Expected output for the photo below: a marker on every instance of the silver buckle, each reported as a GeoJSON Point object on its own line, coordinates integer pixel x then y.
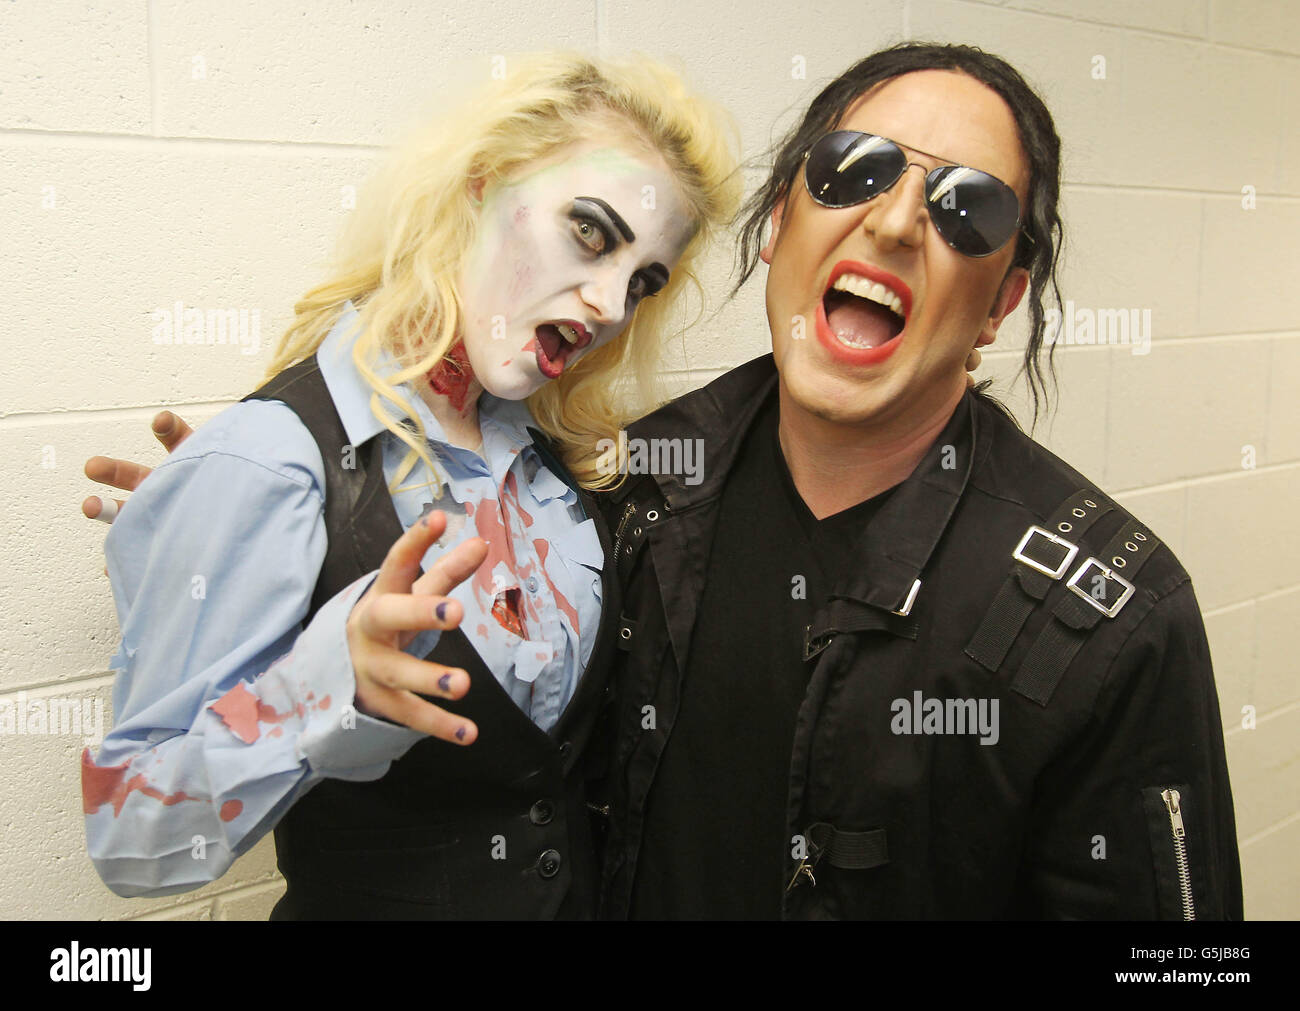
{"type": "Point", "coordinates": [1113, 610]}
{"type": "Point", "coordinates": [1020, 556]}
{"type": "Point", "coordinates": [906, 609]}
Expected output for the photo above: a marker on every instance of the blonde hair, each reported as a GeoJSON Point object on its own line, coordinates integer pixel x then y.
{"type": "Point", "coordinates": [405, 245]}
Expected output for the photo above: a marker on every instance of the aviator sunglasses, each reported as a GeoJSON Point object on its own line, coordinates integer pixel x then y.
{"type": "Point", "coordinates": [974, 212]}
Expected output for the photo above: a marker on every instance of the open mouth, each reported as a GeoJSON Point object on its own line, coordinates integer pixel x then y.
{"type": "Point", "coordinates": [863, 314]}
{"type": "Point", "coordinates": [558, 342]}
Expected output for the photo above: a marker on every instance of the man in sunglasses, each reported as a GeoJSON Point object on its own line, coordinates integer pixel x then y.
{"type": "Point", "coordinates": [890, 658]}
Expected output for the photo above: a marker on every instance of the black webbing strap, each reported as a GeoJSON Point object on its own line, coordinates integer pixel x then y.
{"type": "Point", "coordinates": [844, 615]}
{"type": "Point", "coordinates": [1041, 558]}
{"type": "Point", "coordinates": [1099, 588]}
{"type": "Point", "coordinates": [847, 851]}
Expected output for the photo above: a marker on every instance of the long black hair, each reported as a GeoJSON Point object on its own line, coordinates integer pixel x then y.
{"type": "Point", "coordinates": [1038, 245]}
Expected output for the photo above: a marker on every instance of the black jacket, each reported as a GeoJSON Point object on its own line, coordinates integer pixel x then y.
{"type": "Point", "coordinates": [496, 830]}
{"type": "Point", "coordinates": [1105, 793]}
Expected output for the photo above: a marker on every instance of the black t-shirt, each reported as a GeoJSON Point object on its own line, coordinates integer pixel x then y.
{"type": "Point", "coordinates": [714, 841]}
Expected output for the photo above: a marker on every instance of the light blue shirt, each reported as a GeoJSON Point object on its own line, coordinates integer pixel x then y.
{"type": "Point", "coordinates": [227, 709]}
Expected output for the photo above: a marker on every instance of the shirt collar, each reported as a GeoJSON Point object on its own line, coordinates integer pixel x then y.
{"type": "Point", "coordinates": [351, 393]}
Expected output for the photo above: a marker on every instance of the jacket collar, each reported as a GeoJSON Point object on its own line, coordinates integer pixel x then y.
{"type": "Point", "coordinates": [898, 543]}
{"type": "Point", "coordinates": [719, 415]}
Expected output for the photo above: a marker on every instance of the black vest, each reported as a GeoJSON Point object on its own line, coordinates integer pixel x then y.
{"type": "Point", "coordinates": [496, 830]}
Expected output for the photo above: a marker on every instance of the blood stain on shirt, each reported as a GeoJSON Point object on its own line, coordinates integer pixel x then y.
{"type": "Point", "coordinates": [561, 600]}
{"type": "Point", "coordinates": [231, 810]}
{"type": "Point", "coordinates": [241, 711]}
{"type": "Point", "coordinates": [108, 784]}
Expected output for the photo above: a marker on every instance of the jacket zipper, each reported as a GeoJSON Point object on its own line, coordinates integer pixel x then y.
{"type": "Point", "coordinates": [629, 511]}
{"type": "Point", "coordinates": [1172, 801]}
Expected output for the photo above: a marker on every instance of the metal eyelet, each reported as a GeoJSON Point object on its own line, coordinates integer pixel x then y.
{"type": "Point", "coordinates": [1118, 562]}
{"type": "Point", "coordinates": [1090, 503]}
{"type": "Point", "coordinates": [1130, 546]}
{"type": "Point", "coordinates": [636, 532]}
{"type": "Point", "coordinates": [1064, 527]}
{"type": "Point", "coordinates": [652, 515]}
{"type": "Point", "coordinates": [1139, 537]}
{"type": "Point", "coordinates": [1079, 512]}
{"type": "Point", "coordinates": [625, 633]}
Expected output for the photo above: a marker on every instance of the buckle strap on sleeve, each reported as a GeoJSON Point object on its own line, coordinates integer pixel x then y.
{"type": "Point", "coordinates": [1097, 590]}
{"type": "Point", "coordinates": [1040, 559]}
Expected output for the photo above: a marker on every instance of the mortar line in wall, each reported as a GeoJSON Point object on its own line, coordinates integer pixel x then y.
{"type": "Point", "coordinates": [1283, 710]}
{"type": "Point", "coordinates": [80, 680]}
{"type": "Point", "coordinates": [162, 914]}
{"type": "Point", "coordinates": [155, 70]}
{"type": "Point", "coordinates": [1277, 593]}
{"type": "Point", "coordinates": [240, 891]}
{"type": "Point", "coordinates": [1140, 190]}
{"type": "Point", "coordinates": [1202, 40]}
{"type": "Point", "coordinates": [1200, 264]}
{"type": "Point", "coordinates": [18, 137]}
{"type": "Point", "coordinates": [1187, 482]}
{"type": "Point", "coordinates": [1250, 601]}
{"type": "Point", "coordinates": [1268, 397]}
{"type": "Point", "coordinates": [31, 419]}
{"type": "Point", "coordinates": [1289, 820]}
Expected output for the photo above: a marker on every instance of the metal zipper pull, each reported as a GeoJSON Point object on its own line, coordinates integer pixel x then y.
{"type": "Point", "coordinates": [1173, 803]}
{"type": "Point", "coordinates": [628, 512]}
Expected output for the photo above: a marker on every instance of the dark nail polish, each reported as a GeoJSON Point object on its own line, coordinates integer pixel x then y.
{"type": "Point", "coordinates": [444, 683]}
{"type": "Point", "coordinates": [441, 611]}
{"type": "Point", "coordinates": [460, 734]}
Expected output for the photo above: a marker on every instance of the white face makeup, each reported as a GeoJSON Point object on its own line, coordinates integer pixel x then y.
{"type": "Point", "coordinates": [563, 255]}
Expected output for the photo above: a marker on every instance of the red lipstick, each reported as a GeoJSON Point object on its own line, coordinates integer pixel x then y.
{"type": "Point", "coordinates": [862, 356]}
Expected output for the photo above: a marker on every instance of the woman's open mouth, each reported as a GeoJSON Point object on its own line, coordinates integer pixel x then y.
{"type": "Point", "coordinates": [557, 342]}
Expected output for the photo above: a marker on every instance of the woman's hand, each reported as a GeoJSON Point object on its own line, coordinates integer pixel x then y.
{"type": "Point", "coordinates": [395, 608]}
{"type": "Point", "coordinates": [168, 428]}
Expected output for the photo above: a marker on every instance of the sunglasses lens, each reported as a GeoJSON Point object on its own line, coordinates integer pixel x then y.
{"type": "Point", "coordinates": [974, 212]}
{"type": "Point", "coordinates": [846, 168]}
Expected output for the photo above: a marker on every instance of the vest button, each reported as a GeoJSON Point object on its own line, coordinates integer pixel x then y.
{"type": "Point", "coordinates": [548, 864]}
{"type": "Point", "coordinates": [542, 812]}
{"type": "Point", "coordinates": [566, 749]}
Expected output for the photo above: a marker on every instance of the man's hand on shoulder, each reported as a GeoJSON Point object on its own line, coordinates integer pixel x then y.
{"type": "Point", "coordinates": [169, 429]}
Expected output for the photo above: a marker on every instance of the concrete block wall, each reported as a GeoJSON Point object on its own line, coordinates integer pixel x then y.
{"type": "Point", "coordinates": [204, 151]}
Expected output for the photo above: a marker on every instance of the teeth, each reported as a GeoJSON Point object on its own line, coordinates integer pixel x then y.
{"type": "Point", "coordinates": [567, 332]}
{"type": "Point", "coordinates": [873, 291]}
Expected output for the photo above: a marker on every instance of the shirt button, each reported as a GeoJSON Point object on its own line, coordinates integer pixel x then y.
{"type": "Point", "coordinates": [542, 812]}
{"type": "Point", "coordinates": [548, 864]}
{"type": "Point", "coordinates": [532, 584]}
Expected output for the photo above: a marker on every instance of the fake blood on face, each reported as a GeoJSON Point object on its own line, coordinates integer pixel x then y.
{"type": "Point", "coordinates": [453, 376]}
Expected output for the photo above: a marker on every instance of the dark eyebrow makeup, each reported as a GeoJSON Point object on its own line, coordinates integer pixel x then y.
{"type": "Point", "coordinates": [612, 217]}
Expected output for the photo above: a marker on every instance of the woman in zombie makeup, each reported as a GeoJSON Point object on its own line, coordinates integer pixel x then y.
{"type": "Point", "coordinates": [417, 741]}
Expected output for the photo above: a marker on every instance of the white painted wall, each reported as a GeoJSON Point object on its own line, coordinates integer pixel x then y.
{"type": "Point", "coordinates": [197, 151]}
